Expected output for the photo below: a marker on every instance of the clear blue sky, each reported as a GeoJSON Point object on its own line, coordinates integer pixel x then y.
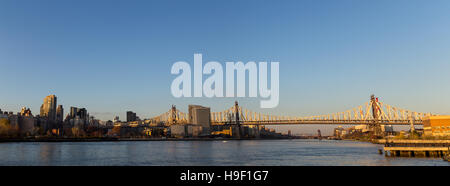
{"type": "Point", "coordinates": [111, 56]}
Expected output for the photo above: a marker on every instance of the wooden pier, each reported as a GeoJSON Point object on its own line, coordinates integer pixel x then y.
{"type": "Point", "coordinates": [416, 148]}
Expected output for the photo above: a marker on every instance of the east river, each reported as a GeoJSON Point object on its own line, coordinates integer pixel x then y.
{"type": "Point", "coordinates": [223, 153]}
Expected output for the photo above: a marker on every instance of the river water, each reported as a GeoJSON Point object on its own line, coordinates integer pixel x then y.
{"type": "Point", "coordinates": [222, 153]}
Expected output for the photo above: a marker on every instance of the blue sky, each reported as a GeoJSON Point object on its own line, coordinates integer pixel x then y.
{"type": "Point", "coordinates": [111, 56]}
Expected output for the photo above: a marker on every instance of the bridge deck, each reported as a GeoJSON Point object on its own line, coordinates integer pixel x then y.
{"type": "Point", "coordinates": [318, 122]}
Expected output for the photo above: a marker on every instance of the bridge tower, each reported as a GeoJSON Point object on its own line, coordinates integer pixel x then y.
{"type": "Point", "coordinates": [411, 122]}
{"type": "Point", "coordinates": [238, 124]}
{"type": "Point", "coordinates": [375, 126]}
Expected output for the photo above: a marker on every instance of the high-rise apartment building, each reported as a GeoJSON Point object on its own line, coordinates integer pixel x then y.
{"type": "Point", "coordinates": [80, 112]}
{"type": "Point", "coordinates": [48, 108]}
{"type": "Point", "coordinates": [131, 116]}
{"type": "Point", "coordinates": [199, 115]}
{"type": "Point", "coordinates": [59, 113]}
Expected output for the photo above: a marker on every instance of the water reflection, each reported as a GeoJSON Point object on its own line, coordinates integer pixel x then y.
{"type": "Point", "coordinates": [225, 153]}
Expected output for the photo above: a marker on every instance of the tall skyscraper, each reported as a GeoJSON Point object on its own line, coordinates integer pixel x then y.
{"type": "Point", "coordinates": [73, 112]}
{"type": "Point", "coordinates": [199, 115]}
{"type": "Point", "coordinates": [59, 113]}
{"type": "Point", "coordinates": [48, 108]}
{"type": "Point", "coordinates": [80, 112]}
{"type": "Point", "coordinates": [131, 116]}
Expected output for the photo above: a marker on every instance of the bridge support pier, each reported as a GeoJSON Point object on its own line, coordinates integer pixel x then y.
{"type": "Point", "coordinates": [411, 122]}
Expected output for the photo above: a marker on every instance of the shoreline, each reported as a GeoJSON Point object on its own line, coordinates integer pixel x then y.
{"type": "Point", "coordinates": [112, 139]}
{"type": "Point", "coordinates": [18, 140]}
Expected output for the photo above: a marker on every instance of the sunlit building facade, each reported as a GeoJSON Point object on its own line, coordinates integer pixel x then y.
{"type": "Point", "coordinates": [436, 125]}
{"type": "Point", "coordinates": [48, 108]}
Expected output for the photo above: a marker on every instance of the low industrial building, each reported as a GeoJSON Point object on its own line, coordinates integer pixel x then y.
{"type": "Point", "coordinates": [188, 130]}
{"type": "Point", "coordinates": [436, 126]}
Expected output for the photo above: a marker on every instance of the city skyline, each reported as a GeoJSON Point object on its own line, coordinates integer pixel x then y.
{"type": "Point", "coordinates": [54, 112]}
{"type": "Point", "coordinates": [332, 56]}
{"type": "Point", "coordinates": [230, 91]}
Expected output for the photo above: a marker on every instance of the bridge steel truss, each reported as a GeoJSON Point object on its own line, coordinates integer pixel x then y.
{"type": "Point", "coordinates": [364, 114]}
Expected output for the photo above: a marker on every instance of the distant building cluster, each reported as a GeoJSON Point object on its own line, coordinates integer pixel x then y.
{"type": "Point", "coordinates": [360, 130]}
{"type": "Point", "coordinates": [78, 123]}
{"type": "Point", "coordinates": [50, 121]}
{"type": "Point", "coordinates": [21, 123]}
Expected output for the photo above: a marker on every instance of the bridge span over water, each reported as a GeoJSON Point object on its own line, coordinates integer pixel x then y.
{"type": "Point", "coordinates": [372, 112]}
